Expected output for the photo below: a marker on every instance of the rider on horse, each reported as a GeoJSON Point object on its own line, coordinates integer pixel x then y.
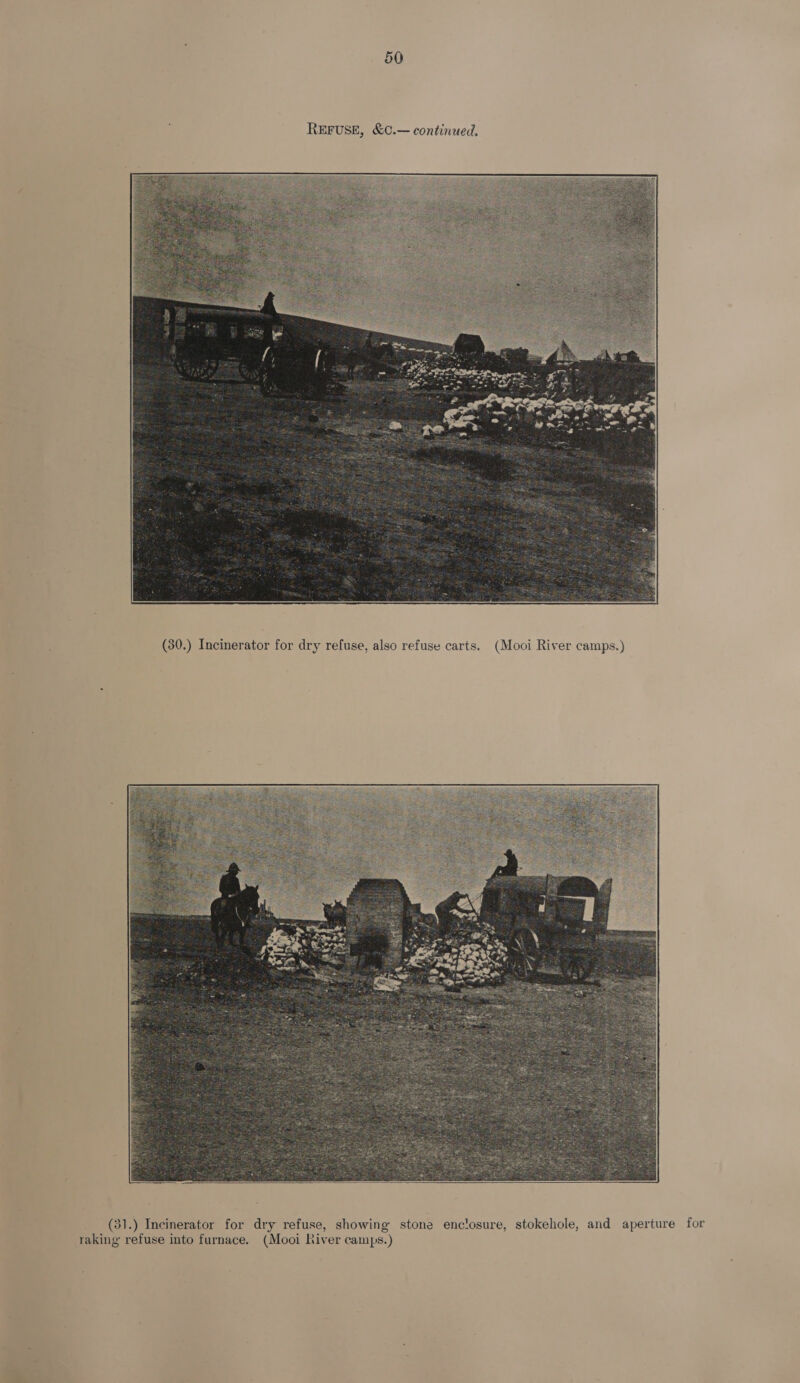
{"type": "Point", "coordinates": [229, 885]}
{"type": "Point", "coordinates": [233, 911]}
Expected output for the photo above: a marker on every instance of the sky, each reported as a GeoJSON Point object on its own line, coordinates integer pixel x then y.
{"type": "Point", "coordinates": [306, 845]}
{"type": "Point", "coordinates": [522, 260]}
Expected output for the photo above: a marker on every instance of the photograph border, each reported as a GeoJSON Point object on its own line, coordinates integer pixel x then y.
{"type": "Point", "coordinates": [385, 605]}
{"type": "Point", "coordinates": [617, 1181]}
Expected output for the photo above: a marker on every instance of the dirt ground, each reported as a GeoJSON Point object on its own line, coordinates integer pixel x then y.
{"type": "Point", "coordinates": [241, 498]}
{"type": "Point", "coordinates": [238, 1078]}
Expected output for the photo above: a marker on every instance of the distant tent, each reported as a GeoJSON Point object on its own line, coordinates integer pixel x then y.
{"type": "Point", "coordinates": [562, 356]}
{"type": "Point", "coordinates": [627, 357]}
{"type": "Point", "coordinates": [604, 355]}
{"type": "Point", "coordinates": [467, 344]}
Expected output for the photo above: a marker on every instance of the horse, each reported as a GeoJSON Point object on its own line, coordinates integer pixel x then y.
{"type": "Point", "coordinates": [230, 917]}
{"type": "Point", "coordinates": [335, 913]}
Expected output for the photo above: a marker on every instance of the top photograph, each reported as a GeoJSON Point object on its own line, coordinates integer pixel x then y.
{"type": "Point", "coordinates": [393, 388]}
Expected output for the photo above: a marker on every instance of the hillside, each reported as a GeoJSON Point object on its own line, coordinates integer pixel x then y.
{"type": "Point", "coordinates": [147, 328]}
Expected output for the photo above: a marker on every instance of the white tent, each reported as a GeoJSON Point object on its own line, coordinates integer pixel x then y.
{"type": "Point", "coordinates": [562, 356]}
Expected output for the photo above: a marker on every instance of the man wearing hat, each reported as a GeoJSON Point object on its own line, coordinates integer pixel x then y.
{"type": "Point", "coordinates": [509, 869]}
{"type": "Point", "coordinates": [229, 884]}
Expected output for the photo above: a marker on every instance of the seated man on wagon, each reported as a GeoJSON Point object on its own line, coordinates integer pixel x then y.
{"type": "Point", "coordinates": [508, 870]}
{"type": "Point", "coordinates": [268, 307]}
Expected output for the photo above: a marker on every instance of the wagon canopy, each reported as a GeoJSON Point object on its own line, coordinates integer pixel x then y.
{"type": "Point", "coordinates": [225, 313]}
{"type": "Point", "coordinates": [519, 883]}
{"type": "Point", "coordinates": [576, 887]}
{"type": "Point", "coordinates": [555, 897]}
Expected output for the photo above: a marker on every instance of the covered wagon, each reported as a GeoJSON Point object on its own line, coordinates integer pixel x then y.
{"type": "Point", "coordinates": [548, 916]}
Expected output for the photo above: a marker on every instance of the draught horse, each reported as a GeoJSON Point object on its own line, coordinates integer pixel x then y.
{"type": "Point", "coordinates": [231, 917]}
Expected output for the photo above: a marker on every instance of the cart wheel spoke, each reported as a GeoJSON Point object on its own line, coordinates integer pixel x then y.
{"type": "Point", "coordinates": [524, 954]}
{"type": "Point", "coordinates": [250, 370]}
{"type": "Point", "coordinates": [194, 366]}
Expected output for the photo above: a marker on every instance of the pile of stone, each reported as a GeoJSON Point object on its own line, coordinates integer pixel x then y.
{"type": "Point", "coordinates": [287, 950]}
{"type": "Point", "coordinates": [328, 944]}
{"type": "Point", "coordinates": [424, 931]}
{"type": "Point", "coordinates": [548, 418]}
{"type": "Point", "coordinates": [474, 957]}
{"type": "Point", "coordinates": [290, 947]}
{"type": "Point", "coordinates": [462, 378]}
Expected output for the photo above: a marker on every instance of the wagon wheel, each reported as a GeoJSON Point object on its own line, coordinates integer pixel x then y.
{"type": "Point", "coordinates": [524, 954]}
{"type": "Point", "coordinates": [191, 366]}
{"type": "Point", "coordinates": [250, 369]}
{"type": "Point", "coordinates": [322, 370]}
{"type": "Point", "coordinates": [268, 372]}
{"type": "Point", "coordinates": [576, 965]}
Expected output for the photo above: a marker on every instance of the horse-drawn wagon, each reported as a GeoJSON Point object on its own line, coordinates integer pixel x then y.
{"type": "Point", "coordinates": [548, 916]}
{"type": "Point", "coordinates": [201, 338]}
{"type": "Point", "coordinates": [267, 352]}
{"type": "Point", "coordinates": [292, 364]}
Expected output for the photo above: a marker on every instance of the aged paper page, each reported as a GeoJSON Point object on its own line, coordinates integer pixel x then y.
{"type": "Point", "coordinates": [137, 770]}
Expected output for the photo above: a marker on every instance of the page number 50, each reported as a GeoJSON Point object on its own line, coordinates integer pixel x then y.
{"type": "Point", "coordinates": [394, 57]}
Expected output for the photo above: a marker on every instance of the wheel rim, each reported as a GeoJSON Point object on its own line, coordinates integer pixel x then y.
{"type": "Point", "coordinates": [192, 367]}
{"type": "Point", "coordinates": [524, 955]}
{"type": "Point", "coordinates": [267, 372]}
{"type": "Point", "coordinates": [321, 370]}
{"type": "Point", "coordinates": [250, 370]}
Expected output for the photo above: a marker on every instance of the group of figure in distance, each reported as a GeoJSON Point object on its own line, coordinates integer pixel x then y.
{"type": "Point", "coordinates": [235, 908]}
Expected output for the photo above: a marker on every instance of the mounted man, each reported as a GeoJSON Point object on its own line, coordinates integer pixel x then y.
{"type": "Point", "coordinates": [233, 911]}
{"type": "Point", "coordinates": [229, 887]}
{"type": "Point", "coordinates": [229, 884]}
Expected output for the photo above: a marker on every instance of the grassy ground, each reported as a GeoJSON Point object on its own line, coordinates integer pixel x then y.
{"type": "Point", "coordinates": [238, 498]}
{"type": "Point", "coordinates": [234, 1078]}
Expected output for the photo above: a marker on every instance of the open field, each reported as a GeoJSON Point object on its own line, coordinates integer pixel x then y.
{"type": "Point", "coordinates": [240, 498]}
{"type": "Point", "coordinates": [236, 1078]}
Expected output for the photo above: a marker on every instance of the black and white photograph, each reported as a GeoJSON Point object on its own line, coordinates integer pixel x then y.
{"type": "Point", "coordinates": [409, 388]}
{"type": "Point", "coordinates": [393, 983]}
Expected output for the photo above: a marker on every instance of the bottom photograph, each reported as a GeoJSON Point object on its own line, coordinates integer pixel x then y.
{"type": "Point", "coordinates": [393, 983]}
